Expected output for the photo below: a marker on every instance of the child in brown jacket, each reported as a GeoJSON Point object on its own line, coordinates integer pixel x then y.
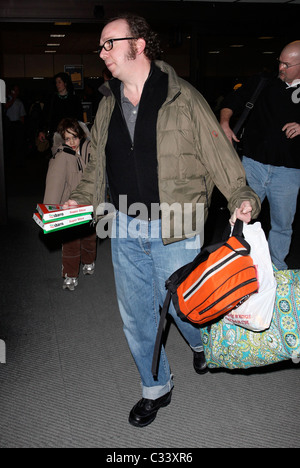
{"type": "Point", "coordinates": [64, 174]}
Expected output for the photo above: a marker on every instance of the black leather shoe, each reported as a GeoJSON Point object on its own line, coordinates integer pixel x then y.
{"type": "Point", "coordinates": [144, 412]}
{"type": "Point", "coordinates": [199, 362]}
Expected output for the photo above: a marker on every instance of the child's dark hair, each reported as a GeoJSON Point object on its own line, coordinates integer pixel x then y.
{"type": "Point", "coordinates": [72, 126]}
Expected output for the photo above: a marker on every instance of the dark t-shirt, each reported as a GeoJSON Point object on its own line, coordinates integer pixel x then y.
{"type": "Point", "coordinates": [263, 139]}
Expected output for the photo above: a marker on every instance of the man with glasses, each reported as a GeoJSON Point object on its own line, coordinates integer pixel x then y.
{"type": "Point", "coordinates": [160, 144]}
{"type": "Point", "coordinates": [271, 146]}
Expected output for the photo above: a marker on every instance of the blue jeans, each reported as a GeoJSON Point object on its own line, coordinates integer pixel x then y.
{"type": "Point", "coordinates": [281, 186]}
{"type": "Point", "coordinates": [142, 264]}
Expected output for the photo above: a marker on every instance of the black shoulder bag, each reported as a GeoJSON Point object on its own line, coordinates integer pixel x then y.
{"type": "Point", "coordinates": [239, 126]}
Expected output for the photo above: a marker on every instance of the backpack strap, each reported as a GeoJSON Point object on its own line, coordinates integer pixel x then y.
{"type": "Point", "coordinates": [157, 347]}
{"type": "Point", "coordinates": [238, 228]}
{"type": "Point", "coordinates": [238, 232]}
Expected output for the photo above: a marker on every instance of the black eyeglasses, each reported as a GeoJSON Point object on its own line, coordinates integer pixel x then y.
{"type": "Point", "coordinates": [287, 65]}
{"type": "Point", "coordinates": [108, 45]}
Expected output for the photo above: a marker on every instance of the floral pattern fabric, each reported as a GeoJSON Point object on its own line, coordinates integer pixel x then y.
{"type": "Point", "coordinates": [234, 347]}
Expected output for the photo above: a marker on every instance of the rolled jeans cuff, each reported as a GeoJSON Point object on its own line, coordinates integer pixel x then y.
{"type": "Point", "coordinates": [152, 393]}
{"type": "Point", "coordinates": [198, 349]}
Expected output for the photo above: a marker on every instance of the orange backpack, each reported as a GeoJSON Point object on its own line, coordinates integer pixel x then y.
{"type": "Point", "coordinates": [219, 279]}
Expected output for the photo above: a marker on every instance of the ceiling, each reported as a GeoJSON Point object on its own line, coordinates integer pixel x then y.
{"type": "Point", "coordinates": [26, 26]}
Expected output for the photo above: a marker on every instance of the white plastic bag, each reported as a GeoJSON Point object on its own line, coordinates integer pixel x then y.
{"type": "Point", "coordinates": [256, 313]}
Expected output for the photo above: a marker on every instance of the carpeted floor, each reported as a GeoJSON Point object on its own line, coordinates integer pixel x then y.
{"type": "Point", "coordinates": [69, 380]}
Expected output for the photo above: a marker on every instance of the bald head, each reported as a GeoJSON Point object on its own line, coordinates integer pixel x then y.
{"type": "Point", "coordinates": [289, 62]}
{"type": "Point", "coordinates": [292, 49]}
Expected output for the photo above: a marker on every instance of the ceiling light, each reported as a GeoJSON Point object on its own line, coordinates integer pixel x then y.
{"type": "Point", "coordinates": [62, 23]}
{"type": "Point", "coordinates": [268, 52]}
{"type": "Point", "coordinates": [50, 51]}
{"type": "Point", "coordinates": [213, 51]}
{"type": "Point", "coordinates": [53, 45]}
{"type": "Point", "coordinates": [57, 35]}
{"type": "Point", "coordinates": [237, 45]}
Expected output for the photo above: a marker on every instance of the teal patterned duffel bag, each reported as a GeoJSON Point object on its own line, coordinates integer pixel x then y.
{"type": "Point", "coordinates": [233, 347]}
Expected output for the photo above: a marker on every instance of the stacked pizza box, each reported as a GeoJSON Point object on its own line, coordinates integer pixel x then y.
{"type": "Point", "coordinates": [54, 218]}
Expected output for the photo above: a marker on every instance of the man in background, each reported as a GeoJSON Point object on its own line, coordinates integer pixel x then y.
{"type": "Point", "coordinates": [271, 146]}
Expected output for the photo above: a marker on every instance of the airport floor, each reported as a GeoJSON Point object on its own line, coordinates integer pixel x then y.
{"type": "Point", "coordinates": [69, 380]}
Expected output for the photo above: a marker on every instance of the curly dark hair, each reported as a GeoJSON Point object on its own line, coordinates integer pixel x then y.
{"type": "Point", "coordinates": [139, 28]}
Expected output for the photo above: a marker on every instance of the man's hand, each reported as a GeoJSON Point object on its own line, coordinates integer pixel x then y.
{"type": "Point", "coordinates": [291, 129]}
{"type": "Point", "coordinates": [243, 213]}
{"type": "Point", "coordinates": [229, 133]}
{"type": "Point", "coordinates": [69, 204]}
{"type": "Point", "coordinates": [225, 116]}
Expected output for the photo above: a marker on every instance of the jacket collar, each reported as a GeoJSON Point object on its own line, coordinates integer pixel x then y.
{"type": "Point", "coordinates": [174, 87]}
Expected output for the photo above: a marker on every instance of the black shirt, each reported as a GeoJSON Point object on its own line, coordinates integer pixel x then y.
{"type": "Point", "coordinates": [264, 140]}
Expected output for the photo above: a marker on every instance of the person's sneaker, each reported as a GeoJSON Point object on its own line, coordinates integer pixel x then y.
{"type": "Point", "coordinates": [199, 362]}
{"type": "Point", "coordinates": [145, 411]}
{"type": "Point", "coordinates": [70, 283]}
{"type": "Point", "coordinates": [88, 269]}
